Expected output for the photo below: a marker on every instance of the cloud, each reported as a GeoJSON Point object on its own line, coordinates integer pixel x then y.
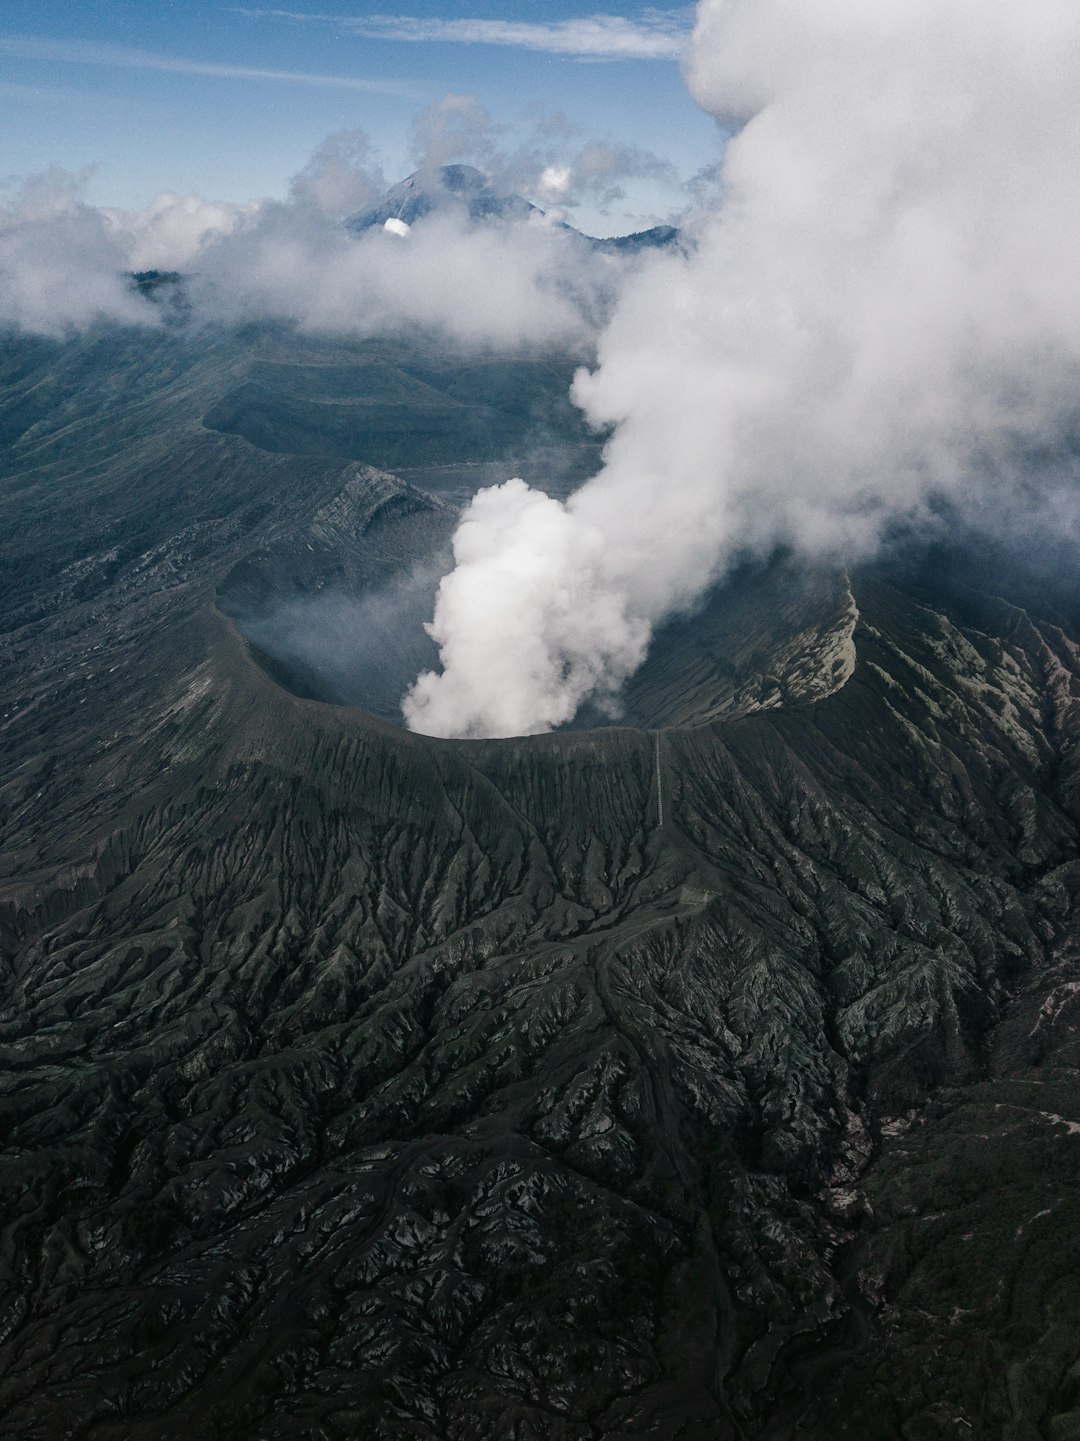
{"type": "Point", "coordinates": [476, 285]}
{"type": "Point", "coordinates": [555, 166]}
{"type": "Point", "coordinates": [62, 267]}
{"type": "Point", "coordinates": [599, 169]}
{"type": "Point", "coordinates": [67, 265]}
{"type": "Point", "coordinates": [455, 128]}
{"type": "Point", "coordinates": [657, 35]}
{"type": "Point", "coordinates": [878, 324]}
{"type": "Point", "coordinates": [341, 176]}
{"type": "Point", "coordinates": [174, 229]}
{"type": "Point", "coordinates": [82, 52]}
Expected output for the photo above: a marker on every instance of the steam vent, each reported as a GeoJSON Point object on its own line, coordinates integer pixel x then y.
{"type": "Point", "coordinates": [336, 614]}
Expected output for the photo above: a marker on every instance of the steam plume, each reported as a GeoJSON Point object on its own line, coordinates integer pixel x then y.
{"type": "Point", "coordinates": [882, 315]}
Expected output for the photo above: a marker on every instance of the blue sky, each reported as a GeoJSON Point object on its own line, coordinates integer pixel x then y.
{"type": "Point", "coordinates": [230, 100]}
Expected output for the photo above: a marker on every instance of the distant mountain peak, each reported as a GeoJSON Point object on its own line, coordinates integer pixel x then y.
{"type": "Point", "coordinates": [443, 189]}
{"type": "Point", "coordinates": [468, 192]}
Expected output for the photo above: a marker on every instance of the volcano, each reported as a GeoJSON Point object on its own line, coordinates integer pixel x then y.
{"type": "Point", "coordinates": [454, 189]}
{"type": "Point", "coordinates": [469, 195]}
{"type": "Point", "coordinates": [705, 1071]}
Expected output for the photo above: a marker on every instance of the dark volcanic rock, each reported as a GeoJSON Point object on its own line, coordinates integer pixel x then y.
{"type": "Point", "coordinates": [657, 237]}
{"type": "Point", "coordinates": [711, 1076]}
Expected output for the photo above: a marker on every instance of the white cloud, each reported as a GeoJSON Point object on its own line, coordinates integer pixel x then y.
{"type": "Point", "coordinates": [174, 229]}
{"type": "Point", "coordinates": [478, 285]}
{"type": "Point", "coordinates": [341, 176]}
{"type": "Point", "coordinates": [67, 264]}
{"type": "Point", "coordinates": [83, 52]}
{"type": "Point", "coordinates": [599, 170]}
{"type": "Point", "coordinates": [657, 35]}
{"type": "Point", "coordinates": [554, 166]}
{"type": "Point", "coordinates": [554, 182]}
{"type": "Point", "coordinates": [62, 267]}
{"type": "Point", "coordinates": [455, 128]}
{"type": "Point", "coordinates": [881, 315]}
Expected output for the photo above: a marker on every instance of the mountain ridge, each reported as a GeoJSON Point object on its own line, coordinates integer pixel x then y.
{"type": "Point", "coordinates": [465, 191]}
{"type": "Point", "coordinates": [716, 1083]}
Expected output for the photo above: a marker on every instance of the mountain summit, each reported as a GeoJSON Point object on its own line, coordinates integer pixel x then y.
{"type": "Point", "coordinates": [466, 191]}
{"type": "Point", "coordinates": [446, 189]}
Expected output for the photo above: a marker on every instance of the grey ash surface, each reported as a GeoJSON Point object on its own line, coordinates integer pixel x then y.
{"type": "Point", "coordinates": [355, 1085]}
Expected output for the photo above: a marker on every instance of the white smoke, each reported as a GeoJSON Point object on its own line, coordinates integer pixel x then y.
{"type": "Point", "coordinates": [341, 176]}
{"type": "Point", "coordinates": [455, 128]}
{"type": "Point", "coordinates": [881, 314]}
{"type": "Point", "coordinates": [500, 286]}
{"type": "Point", "coordinates": [547, 569]}
{"type": "Point", "coordinates": [174, 230]}
{"type": "Point", "coordinates": [61, 264]}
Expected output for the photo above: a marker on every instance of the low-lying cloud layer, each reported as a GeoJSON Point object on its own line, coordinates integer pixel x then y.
{"type": "Point", "coordinates": [880, 317]}
{"type": "Point", "coordinates": [65, 264]}
{"type": "Point", "coordinates": [62, 266]}
{"type": "Point", "coordinates": [496, 286]}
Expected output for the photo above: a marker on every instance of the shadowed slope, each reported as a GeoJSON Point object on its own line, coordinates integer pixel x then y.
{"type": "Point", "coordinates": [336, 612]}
{"type": "Point", "coordinates": [361, 1084]}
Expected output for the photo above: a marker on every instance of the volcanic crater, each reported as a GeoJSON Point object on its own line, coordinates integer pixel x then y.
{"type": "Point", "coordinates": [336, 613]}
